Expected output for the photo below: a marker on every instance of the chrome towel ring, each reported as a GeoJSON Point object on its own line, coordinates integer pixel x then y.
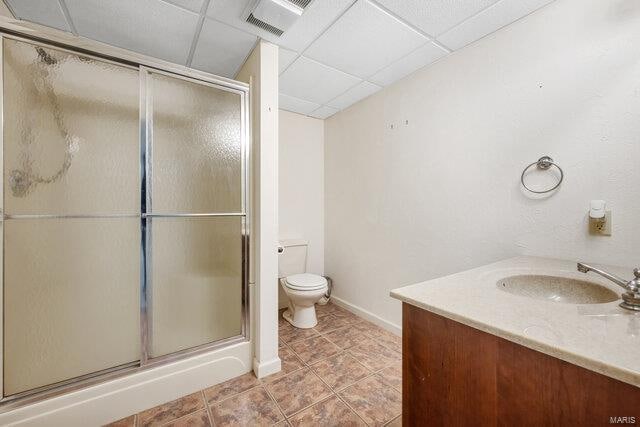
{"type": "Point", "coordinates": [543, 163]}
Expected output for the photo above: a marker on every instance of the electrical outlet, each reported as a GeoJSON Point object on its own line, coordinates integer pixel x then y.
{"type": "Point", "coordinates": [600, 227]}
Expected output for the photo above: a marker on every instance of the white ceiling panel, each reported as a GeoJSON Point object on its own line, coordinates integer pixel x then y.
{"type": "Point", "coordinates": [296, 105]}
{"type": "Point", "coordinates": [353, 95]}
{"type": "Point", "coordinates": [497, 16]}
{"type": "Point", "coordinates": [435, 16]}
{"type": "Point", "coordinates": [417, 59]}
{"type": "Point", "coordinates": [285, 58]}
{"type": "Point", "coordinates": [312, 81]}
{"type": "Point", "coordinates": [151, 27]}
{"type": "Point", "coordinates": [324, 112]}
{"type": "Point", "coordinates": [365, 40]}
{"type": "Point", "coordinates": [45, 12]}
{"type": "Point", "coordinates": [222, 49]}
{"type": "Point", "coordinates": [192, 5]}
{"type": "Point", "coordinates": [316, 18]}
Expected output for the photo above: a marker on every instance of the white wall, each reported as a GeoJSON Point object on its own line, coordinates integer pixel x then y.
{"type": "Point", "coordinates": [261, 71]}
{"type": "Point", "coordinates": [441, 194]}
{"type": "Point", "coordinates": [301, 186]}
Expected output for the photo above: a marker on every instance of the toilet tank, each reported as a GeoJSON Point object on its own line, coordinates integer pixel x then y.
{"type": "Point", "coordinates": [293, 258]}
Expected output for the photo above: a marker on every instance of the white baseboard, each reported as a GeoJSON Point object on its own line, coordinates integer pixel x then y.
{"type": "Point", "coordinates": [266, 368]}
{"type": "Point", "coordinates": [103, 403]}
{"type": "Point", "coordinates": [389, 326]}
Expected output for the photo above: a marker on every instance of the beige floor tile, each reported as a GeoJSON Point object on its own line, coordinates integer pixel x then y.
{"type": "Point", "coordinates": [368, 327]}
{"type": "Point", "coordinates": [232, 387]}
{"type": "Point", "coordinates": [340, 370]}
{"type": "Point", "coordinates": [290, 362]}
{"type": "Point", "coordinates": [397, 422]}
{"type": "Point", "coordinates": [253, 407]}
{"type": "Point", "coordinates": [314, 349]}
{"type": "Point", "coordinates": [171, 411]}
{"type": "Point", "coordinates": [347, 337]}
{"type": "Point", "coordinates": [375, 356]}
{"type": "Point", "coordinates": [129, 421]}
{"type": "Point", "coordinates": [297, 334]}
{"type": "Point", "coordinates": [393, 375]}
{"type": "Point", "coordinates": [298, 390]}
{"type": "Point", "coordinates": [197, 419]}
{"type": "Point", "coordinates": [373, 400]}
{"type": "Point", "coordinates": [389, 340]}
{"type": "Point", "coordinates": [328, 413]}
{"type": "Point", "coordinates": [329, 323]}
{"type": "Point", "coordinates": [346, 315]}
{"type": "Point", "coordinates": [322, 310]}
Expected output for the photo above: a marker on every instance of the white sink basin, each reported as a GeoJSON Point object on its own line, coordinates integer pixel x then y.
{"type": "Point", "coordinates": [557, 289]}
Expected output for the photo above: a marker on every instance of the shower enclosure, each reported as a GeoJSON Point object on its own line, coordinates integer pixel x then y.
{"type": "Point", "coordinates": [124, 219]}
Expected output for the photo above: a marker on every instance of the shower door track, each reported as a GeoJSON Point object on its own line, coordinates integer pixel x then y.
{"type": "Point", "coordinates": [33, 33]}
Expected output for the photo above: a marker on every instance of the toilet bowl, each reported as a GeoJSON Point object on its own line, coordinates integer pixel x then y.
{"type": "Point", "coordinates": [304, 291]}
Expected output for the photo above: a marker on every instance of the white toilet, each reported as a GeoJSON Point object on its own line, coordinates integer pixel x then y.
{"type": "Point", "coordinates": [304, 290]}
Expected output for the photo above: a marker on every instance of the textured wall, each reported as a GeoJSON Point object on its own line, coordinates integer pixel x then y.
{"type": "Point", "coordinates": [441, 194]}
{"type": "Point", "coordinates": [301, 186]}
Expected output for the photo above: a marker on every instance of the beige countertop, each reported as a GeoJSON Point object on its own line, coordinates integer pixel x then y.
{"type": "Point", "coordinates": [604, 338]}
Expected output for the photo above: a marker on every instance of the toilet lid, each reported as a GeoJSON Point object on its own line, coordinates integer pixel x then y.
{"type": "Point", "coordinates": [305, 282]}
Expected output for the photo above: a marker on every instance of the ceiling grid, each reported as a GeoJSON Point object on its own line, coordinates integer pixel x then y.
{"type": "Point", "coordinates": [337, 53]}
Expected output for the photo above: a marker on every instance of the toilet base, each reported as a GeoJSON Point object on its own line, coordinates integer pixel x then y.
{"type": "Point", "coordinates": [303, 317]}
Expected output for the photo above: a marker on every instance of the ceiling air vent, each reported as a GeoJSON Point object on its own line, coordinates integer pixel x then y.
{"type": "Point", "coordinates": [261, 24]}
{"type": "Point", "coordinates": [276, 16]}
{"type": "Point", "coordinates": [301, 3]}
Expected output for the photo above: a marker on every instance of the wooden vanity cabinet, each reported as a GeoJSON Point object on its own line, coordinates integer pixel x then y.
{"type": "Point", "coordinates": [455, 375]}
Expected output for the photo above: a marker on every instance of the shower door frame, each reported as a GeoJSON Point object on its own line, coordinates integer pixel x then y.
{"type": "Point", "coordinates": [145, 66]}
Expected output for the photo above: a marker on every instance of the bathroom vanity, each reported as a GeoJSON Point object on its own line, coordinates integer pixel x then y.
{"type": "Point", "coordinates": [524, 341]}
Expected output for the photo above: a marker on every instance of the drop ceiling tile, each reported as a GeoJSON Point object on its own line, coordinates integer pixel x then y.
{"type": "Point", "coordinates": [435, 16]}
{"type": "Point", "coordinates": [193, 5]}
{"type": "Point", "coordinates": [285, 58]}
{"type": "Point", "coordinates": [315, 82]}
{"type": "Point", "coordinates": [222, 49]}
{"type": "Point", "coordinates": [417, 59]}
{"type": "Point", "coordinates": [315, 19]}
{"type": "Point", "coordinates": [353, 95]}
{"type": "Point", "coordinates": [364, 40]}
{"type": "Point", "coordinates": [296, 105]}
{"type": "Point", "coordinates": [151, 27]}
{"type": "Point", "coordinates": [490, 20]}
{"type": "Point", "coordinates": [45, 12]}
{"type": "Point", "coordinates": [324, 112]}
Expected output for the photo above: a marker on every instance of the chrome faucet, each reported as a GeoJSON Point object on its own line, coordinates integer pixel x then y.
{"type": "Point", "coordinates": [631, 298]}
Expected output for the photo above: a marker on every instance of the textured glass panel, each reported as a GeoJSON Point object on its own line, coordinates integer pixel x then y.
{"type": "Point", "coordinates": [196, 147]}
{"type": "Point", "coordinates": [196, 278]}
{"type": "Point", "coordinates": [70, 133]}
{"type": "Point", "coordinates": [71, 298]}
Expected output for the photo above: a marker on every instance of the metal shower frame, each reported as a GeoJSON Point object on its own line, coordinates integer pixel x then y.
{"type": "Point", "coordinates": [35, 34]}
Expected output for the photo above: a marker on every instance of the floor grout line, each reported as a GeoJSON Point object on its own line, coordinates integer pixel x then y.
{"type": "Point", "coordinates": [273, 399]}
{"type": "Point", "coordinates": [208, 408]}
{"type": "Point", "coordinates": [332, 394]}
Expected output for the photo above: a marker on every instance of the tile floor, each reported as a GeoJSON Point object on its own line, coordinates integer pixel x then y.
{"type": "Point", "coordinates": [344, 372]}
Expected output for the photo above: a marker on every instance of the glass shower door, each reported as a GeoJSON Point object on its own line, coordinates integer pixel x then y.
{"type": "Point", "coordinates": [195, 214]}
{"type": "Point", "coordinates": [123, 209]}
{"type": "Point", "coordinates": [71, 183]}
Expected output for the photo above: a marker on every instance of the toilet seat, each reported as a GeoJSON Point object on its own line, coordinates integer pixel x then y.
{"type": "Point", "coordinates": [305, 282]}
